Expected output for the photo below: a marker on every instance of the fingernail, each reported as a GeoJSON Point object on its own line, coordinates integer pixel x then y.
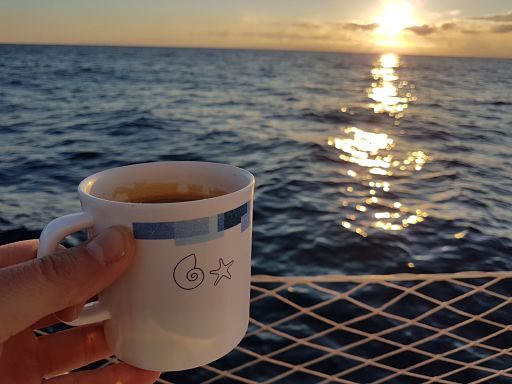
{"type": "Point", "coordinates": [108, 247]}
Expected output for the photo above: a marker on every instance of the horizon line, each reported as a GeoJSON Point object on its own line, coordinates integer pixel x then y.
{"type": "Point", "coordinates": [376, 52]}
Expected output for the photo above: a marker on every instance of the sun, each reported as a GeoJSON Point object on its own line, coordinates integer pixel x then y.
{"type": "Point", "coordinates": [394, 17]}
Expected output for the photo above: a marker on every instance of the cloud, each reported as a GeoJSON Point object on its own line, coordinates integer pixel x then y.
{"type": "Point", "coordinates": [448, 26]}
{"type": "Point", "coordinates": [505, 28]}
{"type": "Point", "coordinates": [360, 27]}
{"type": "Point", "coordinates": [306, 25]}
{"type": "Point", "coordinates": [308, 31]}
{"type": "Point", "coordinates": [283, 35]}
{"type": "Point", "coordinates": [422, 30]}
{"type": "Point", "coordinates": [504, 17]}
{"type": "Point", "coordinates": [454, 12]}
{"type": "Point", "coordinates": [474, 25]}
{"type": "Point", "coordinates": [470, 31]}
{"type": "Point", "coordinates": [425, 29]}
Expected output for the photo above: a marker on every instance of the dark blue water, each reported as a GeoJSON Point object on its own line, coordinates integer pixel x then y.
{"type": "Point", "coordinates": [364, 163]}
{"type": "Point", "coordinates": [423, 182]}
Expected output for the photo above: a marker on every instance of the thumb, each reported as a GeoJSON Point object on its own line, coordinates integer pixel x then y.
{"type": "Point", "coordinates": [34, 289]}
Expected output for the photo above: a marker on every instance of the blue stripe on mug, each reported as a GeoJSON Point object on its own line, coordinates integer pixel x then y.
{"type": "Point", "coordinates": [231, 218]}
{"type": "Point", "coordinates": [194, 231]}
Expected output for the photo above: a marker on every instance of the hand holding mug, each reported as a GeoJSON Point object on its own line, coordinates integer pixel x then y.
{"type": "Point", "coordinates": [31, 290]}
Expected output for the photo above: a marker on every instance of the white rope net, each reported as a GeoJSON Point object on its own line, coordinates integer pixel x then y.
{"type": "Point", "coordinates": [438, 328]}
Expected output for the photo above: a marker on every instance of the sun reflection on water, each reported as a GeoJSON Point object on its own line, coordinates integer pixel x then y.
{"type": "Point", "coordinates": [384, 90]}
{"type": "Point", "coordinates": [374, 162]}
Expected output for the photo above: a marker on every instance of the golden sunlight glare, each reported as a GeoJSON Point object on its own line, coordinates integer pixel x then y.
{"type": "Point", "coordinates": [394, 17]}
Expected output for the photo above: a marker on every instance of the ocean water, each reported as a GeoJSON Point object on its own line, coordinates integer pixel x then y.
{"type": "Point", "coordinates": [364, 163]}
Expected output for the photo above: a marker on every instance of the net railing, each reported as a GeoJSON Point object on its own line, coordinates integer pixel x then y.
{"type": "Point", "coordinates": [404, 328]}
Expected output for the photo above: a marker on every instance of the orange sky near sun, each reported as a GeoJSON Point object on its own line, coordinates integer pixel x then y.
{"type": "Point", "coordinates": [403, 26]}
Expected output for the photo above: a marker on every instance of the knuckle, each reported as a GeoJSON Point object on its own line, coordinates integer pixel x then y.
{"type": "Point", "coordinates": [55, 268]}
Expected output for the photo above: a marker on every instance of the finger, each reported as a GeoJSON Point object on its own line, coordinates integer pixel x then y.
{"type": "Point", "coordinates": [113, 374]}
{"type": "Point", "coordinates": [46, 321]}
{"type": "Point", "coordinates": [70, 349]}
{"type": "Point", "coordinates": [17, 252]}
{"type": "Point", "coordinates": [21, 251]}
{"type": "Point", "coordinates": [33, 289]}
{"type": "Point", "coordinates": [70, 313]}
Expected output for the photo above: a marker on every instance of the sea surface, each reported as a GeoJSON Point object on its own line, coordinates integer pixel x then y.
{"type": "Point", "coordinates": [365, 164]}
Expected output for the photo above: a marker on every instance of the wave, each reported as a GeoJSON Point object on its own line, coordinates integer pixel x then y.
{"type": "Point", "coordinates": [329, 117]}
{"type": "Point", "coordinates": [82, 155]}
{"type": "Point", "coordinates": [17, 234]}
{"type": "Point", "coordinates": [500, 103]}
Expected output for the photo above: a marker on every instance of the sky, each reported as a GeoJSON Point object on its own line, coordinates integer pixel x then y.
{"type": "Point", "coordinates": [422, 27]}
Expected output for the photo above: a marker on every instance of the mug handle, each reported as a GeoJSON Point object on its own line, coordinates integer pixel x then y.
{"type": "Point", "coordinates": [52, 234]}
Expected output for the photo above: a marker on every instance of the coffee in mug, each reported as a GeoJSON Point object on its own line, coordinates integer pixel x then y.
{"type": "Point", "coordinates": [164, 192]}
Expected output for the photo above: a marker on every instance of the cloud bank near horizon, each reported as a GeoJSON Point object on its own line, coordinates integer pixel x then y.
{"type": "Point", "coordinates": [449, 35]}
{"type": "Point", "coordinates": [333, 28]}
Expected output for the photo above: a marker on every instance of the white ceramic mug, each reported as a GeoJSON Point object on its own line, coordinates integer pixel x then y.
{"type": "Point", "coordinates": [185, 300]}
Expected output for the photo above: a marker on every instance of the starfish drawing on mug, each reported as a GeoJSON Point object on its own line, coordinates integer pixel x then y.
{"type": "Point", "coordinates": [222, 271]}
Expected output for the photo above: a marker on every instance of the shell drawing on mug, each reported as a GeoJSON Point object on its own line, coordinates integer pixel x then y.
{"type": "Point", "coordinates": [186, 274]}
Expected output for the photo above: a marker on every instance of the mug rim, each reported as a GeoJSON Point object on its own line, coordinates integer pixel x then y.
{"type": "Point", "coordinates": [209, 200]}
